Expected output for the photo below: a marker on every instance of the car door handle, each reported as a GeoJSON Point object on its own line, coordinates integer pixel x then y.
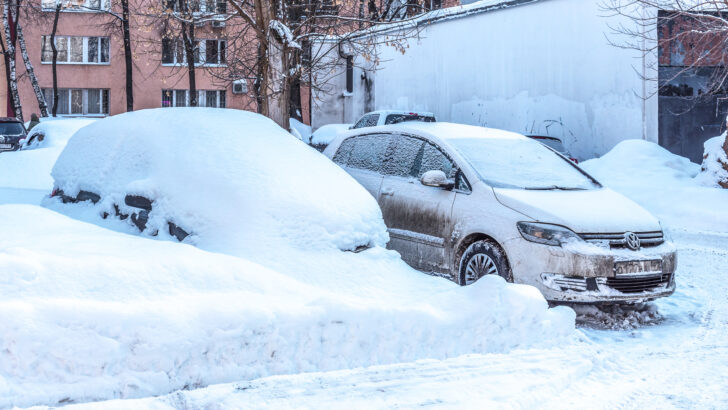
{"type": "Point", "coordinates": [388, 191]}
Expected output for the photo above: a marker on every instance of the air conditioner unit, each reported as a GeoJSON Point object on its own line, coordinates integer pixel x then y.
{"type": "Point", "coordinates": [240, 86]}
{"type": "Point", "coordinates": [218, 24]}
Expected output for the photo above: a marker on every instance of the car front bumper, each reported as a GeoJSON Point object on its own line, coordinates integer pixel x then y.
{"type": "Point", "coordinates": [587, 273]}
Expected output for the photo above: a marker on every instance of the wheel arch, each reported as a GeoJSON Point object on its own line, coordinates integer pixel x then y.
{"type": "Point", "coordinates": [468, 240]}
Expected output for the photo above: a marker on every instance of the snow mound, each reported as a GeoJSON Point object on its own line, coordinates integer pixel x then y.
{"type": "Point", "coordinates": [642, 160]}
{"type": "Point", "coordinates": [325, 134]}
{"type": "Point", "coordinates": [232, 179]}
{"type": "Point", "coordinates": [31, 169]}
{"type": "Point", "coordinates": [663, 183]}
{"type": "Point", "coordinates": [92, 314]}
{"type": "Point", "coordinates": [300, 130]}
{"type": "Point", "coordinates": [714, 171]}
{"type": "Point", "coordinates": [54, 132]}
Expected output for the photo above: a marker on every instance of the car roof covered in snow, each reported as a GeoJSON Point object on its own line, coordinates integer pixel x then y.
{"type": "Point", "coordinates": [438, 131]}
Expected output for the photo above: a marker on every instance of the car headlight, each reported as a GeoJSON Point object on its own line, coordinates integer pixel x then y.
{"type": "Point", "coordinates": [547, 234]}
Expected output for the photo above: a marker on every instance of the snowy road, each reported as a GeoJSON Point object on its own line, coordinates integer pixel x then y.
{"type": "Point", "coordinates": [675, 358]}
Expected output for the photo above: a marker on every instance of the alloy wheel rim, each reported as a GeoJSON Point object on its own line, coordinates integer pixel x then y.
{"type": "Point", "coordinates": [478, 266]}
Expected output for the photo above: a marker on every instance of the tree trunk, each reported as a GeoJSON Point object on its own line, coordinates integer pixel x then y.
{"type": "Point", "coordinates": [188, 41]}
{"type": "Point", "coordinates": [9, 103]}
{"type": "Point", "coordinates": [42, 105]}
{"type": "Point", "coordinates": [274, 81]}
{"type": "Point", "coordinates": [127, 55]}
{"type": "Point", "coordinates": [55, 58]}
{"type": "Point", "coordinates": [13, 90]}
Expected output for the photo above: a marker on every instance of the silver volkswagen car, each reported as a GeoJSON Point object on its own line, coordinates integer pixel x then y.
{"type": "Point", "coordinates": [463, 201]}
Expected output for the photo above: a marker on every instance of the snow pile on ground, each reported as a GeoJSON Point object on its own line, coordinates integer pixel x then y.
{"type": "Point", "coordinates": [714, 171]}
{"type": "Point", "coordinates": [663, 183]}
{"type": "Point", "coordinates": [91, 314]}
{"type": "Point", "coordinates": [233, 179]}
{"type": "Point", "coordinates": [32, 169]}
{"type": "Point", "coordinates": [325, 134]}
{"type": "Point", "coordinates": [54, 132]}
{"type": "Point", "coordinates": [300, 130]}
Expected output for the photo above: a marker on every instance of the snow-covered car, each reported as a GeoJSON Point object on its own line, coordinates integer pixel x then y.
{"type": "Point", "coordinates": [555, 144]}
{"type": "Point", "coordinates": [322, 137]}
{"type": "Point", "coordinates": [388, 117]}
{"type": "Point", "coordinates": [12, 134]}
{"type": "Point", "coordinates": [146, 172]}
{"type": "Point", "coordinates": [463, 201]}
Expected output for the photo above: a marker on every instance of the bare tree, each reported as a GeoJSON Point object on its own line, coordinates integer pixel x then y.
{"type": "Point", "coordinates": [10, 39]}
{"type": "Point", "coordinates": [54, 50]}
{"type": "Point", "coordinates": [284, 31]}
{"type": "Point", "coordinates": [42, 105]}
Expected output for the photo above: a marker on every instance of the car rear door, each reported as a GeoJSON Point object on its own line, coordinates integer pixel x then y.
{"type": "Point", "coordinates": [419, 217]}
{"type": "Point", "coordinates": [362, 157]}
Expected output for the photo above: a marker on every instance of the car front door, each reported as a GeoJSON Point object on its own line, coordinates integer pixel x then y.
{"type": "Point", "coordinates": [419, 217]}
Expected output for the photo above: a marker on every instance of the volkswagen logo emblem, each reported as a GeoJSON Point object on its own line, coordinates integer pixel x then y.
{"type": "Point", "coordinates": [632, 241]}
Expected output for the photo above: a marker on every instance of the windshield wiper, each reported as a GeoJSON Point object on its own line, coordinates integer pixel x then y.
{"type": "Point", "coordinates": [553, 188]}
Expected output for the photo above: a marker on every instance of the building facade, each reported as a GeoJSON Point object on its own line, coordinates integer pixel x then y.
{"type": "Point", "coordinates": [91, 64]}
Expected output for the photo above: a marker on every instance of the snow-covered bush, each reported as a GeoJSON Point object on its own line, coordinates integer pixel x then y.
{"type": "Point", "coordinates": [714, 171]}
{"type": "Point", "coordinates": [232, 179]}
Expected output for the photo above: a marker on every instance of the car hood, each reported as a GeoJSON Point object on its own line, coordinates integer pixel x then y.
{"type": "Point", "coordinates": [590, 211]}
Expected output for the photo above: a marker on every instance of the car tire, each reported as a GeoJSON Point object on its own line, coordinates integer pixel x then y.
{"type": "Point", "coordinates": [482, 258]}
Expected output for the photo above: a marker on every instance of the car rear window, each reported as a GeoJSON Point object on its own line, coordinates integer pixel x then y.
{"type": "Point", "coordinates": [553, 143]}
{"type": "Point", "coordinates": [397, 118]}
{"type": "Point", "coordinates": [367, 121]}
{"type": "Point", "coordinates": [11, 128]}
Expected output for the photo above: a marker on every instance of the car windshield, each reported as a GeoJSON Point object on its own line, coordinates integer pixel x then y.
{"type": "Point", "coordinates": [513, 162]}
{"type": "Point", "coordinates": [11, 128]}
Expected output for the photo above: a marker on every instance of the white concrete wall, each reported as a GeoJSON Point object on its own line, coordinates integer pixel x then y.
{"type": "Point", "coordinates": [543, 68]}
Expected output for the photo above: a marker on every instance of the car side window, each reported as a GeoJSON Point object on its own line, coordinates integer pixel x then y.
{"type": "Point", "coordinates": [402, 155]}
{"type": "Point", "coordinates": [367, 152]}
{"type": "Point", "coordinates": [430, 158]}
{"type": "Point", "coordinates": [344, 152]}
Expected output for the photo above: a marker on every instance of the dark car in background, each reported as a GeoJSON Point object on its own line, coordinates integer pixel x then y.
{"type": "Point", "coordinates": [12, 134]}
{"type": "Point", "coordinates": [555, 144]}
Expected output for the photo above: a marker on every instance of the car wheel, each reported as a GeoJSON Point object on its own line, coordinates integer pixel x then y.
{"type": "Point", "coordinates": [483, 258]}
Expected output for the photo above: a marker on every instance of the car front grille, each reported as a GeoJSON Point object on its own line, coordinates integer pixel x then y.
{"type": "Point", "coordinates": [617, 240]}
{"type": "Point", "coordinates": [637, 284]}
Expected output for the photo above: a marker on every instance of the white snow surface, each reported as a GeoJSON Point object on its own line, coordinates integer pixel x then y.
{"type": "Point", "coordinates": [31, 169]}
{"type": "Point", "coordinates": [326, 133]}
{"type": "Point", "coordinates": [663, 183]}
{"type": "Point", "coordinates": [231, 178]}
{"type": "Point", "coordinates": [672, 353]}
{"type": "Point", "coordinates": [300, 130]}
{"type": "Point", "coordinates": [91, 313]}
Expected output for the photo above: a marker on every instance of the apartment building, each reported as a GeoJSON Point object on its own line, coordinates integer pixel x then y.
{"type": "Point", "coordinates": [91, 65]}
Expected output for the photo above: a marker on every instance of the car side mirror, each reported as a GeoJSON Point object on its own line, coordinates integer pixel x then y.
{"type": "Point", "coordinates": [438, 179]}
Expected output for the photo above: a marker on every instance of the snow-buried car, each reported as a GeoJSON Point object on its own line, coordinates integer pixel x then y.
{"type": "Point", "coordinates": [218, 179]}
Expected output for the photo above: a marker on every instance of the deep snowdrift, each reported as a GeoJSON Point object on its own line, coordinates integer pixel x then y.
{"type": "Point", "coordinates": [675, 196]}
{"type": "Point", "coordinates": [31, 169]}
{"type": "Point", "coordinates": [90, 313]}
{"type": "Point", "coordinates": [233, 179]}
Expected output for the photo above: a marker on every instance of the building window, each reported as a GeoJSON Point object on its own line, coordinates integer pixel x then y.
{"type": "Point", "coordinates": [206, 52]}
{"type": "Point", "coordinates": [78, 5]}
{"type": "Point", "coordinates": [76, 50]}
{"type": "Point", "coordinates": [205, 98]}
{"type": "Point", "coordinates": [79, 101]}
{"type": "Point", "coordinates": [203, 7]}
